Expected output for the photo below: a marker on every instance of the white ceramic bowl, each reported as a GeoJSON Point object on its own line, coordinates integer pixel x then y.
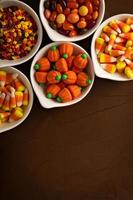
{"type": "Point", "coordinates": [49, 103]}
{"type": "Point", "coordinates": [55, 36]}
{"type": "Point", "coordinates": [98, 69]}
{"type": "Point", "coordinates": [7, 3]}
{"type": "Point", "coordinates": [8, 126]}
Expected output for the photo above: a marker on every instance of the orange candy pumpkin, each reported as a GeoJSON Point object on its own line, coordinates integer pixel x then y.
{"type": "Point", "coordinates": [66, 50]}
{"type": "Point", "coordinates": [83, 79]}
{"type": "Point", "coordinates": [69, 77]}
{"type": "Point", "coordinates": [53, 54]}
{"type": "Point", "coordinates": [53, 77]}
{"type": "Point", "coordinates": [41, 77]}
{"type": "Point", "coordinates": [64, 96]}
{"type": "Point", "coordinates": [76, 69]}
{"type": "Point", "coordinates": [61, 65]}
{"type": "Point", "coordinates": [75, 90]}
{"type": "Point", "coordinates": [42, 64]}
{"type": "Point", "coordinates": [52, 91]}
{"type": "Point", "coordinates": [81, 61]}
{"type": "Point", "coordinates": [69, 61]}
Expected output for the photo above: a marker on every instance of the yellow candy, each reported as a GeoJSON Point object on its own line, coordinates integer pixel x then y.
{"type": "Point", "coordinates": [126, 28]}
{"type": "Point", "coordinates": [129, 72]}
{"type": "Point", "coordinates": [120, 66]}
{"type": "Point", "coordinates": [129, 43]}
{"type": "Point", "coordinates": [83, 10]}
{"type": "Point", "coordinates": [60, 18]}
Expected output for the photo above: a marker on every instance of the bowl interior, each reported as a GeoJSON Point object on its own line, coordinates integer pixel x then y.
{"type": "Point", "coordinates": [49, 103]}
{"type": "Point", "coordinates": [55, 36]}
{"type": "Point", "coordinates": [20, 4]}
{"type": "Point", "coordinates": [98, 69]}
{"type": "Point", "coordinates": [23, 78]}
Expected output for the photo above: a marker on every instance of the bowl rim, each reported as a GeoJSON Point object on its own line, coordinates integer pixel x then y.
{"type": "Point", "coordinates": [4, 62]}
{"type": "Point", "coordinates": [56, 36]}
{"type": "Point", "coordinates": [56, 104]}
{"type": "Point", "coordinates": [101, 73]}
{"type": "Point", "coordinates": [28, 109]}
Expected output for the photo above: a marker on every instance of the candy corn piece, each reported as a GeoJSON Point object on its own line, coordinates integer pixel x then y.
{"type": "Point", "coordinates": [129, 63]}
{"type": "Point", "coordinates": [10, 88]}
{"type": "Point", "coordinates": [115, 26]}
{"type": "Point", "coordinates": [99, 45]}
{"type": "Point", "coordinates": [19, 85]}
{"type": "Point", "coordinates": [128, 36]}
{"type": "Point", "coordinates": [111, 42]}
{"type": "Point", "coordinates": [109, 30]}
{"type": "Point", "coordinates": [120, 66]}
{"type": "Point", "coordinates": [129, 43]}
{"type": "Point", "coordinates": [111, 68]}
{"type": "Point", "coordinates": [12, 100]}
{"type": "Point", "coordinates": [123, 26]}
{"type": "Point", "coordinates": [129, 21]}
{"type": "Point", "coordinates": [127, 54]}
{"type": "Point", "coordinates": [11, 77]}
{"type": "Point", "coordinates": [6, 104]}
{"type": "Point", "coordinates": [4, 116]}
{"type": "Point", "coordinates": [116, 53]}
{"type": "Point", "coordinates": [128, 72]}
{"type": "Point", "coordinates": [105, 58]}
{"type": "Point", "coordinates": [19, 98]}
{"type": "Point", "coordinates": [105, 37]}
{"type": "Point", "coordinates": [119, 39]}
{"type": "Point", "coordinates": [119, 47]}
{"type": "Point", "coordinates": [16, 115]}
{"type": "Point", "coordinates": [26, 97]}
{"type": "Point", "coordinates": [131, 26]}
{"type": "Point", "coordinates": [2, 98]}
{"type": "Point", "coordinates": [2, 78]}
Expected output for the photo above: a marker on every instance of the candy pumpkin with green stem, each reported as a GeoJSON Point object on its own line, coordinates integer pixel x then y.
{"type": "Point", "coordinates": [61, 65]}
{"type": "Point", "coordinates": [66, 50]}
{"type": "Point", "coordinates": [69, 77]}
{"type": "Point", "coordinates": [83, 79]}
{"type": "Point", "coordinates": [41, 77]}
{"type": "Point", "coordinates": [53, 77]}
{"type": "Point", "coordinates": [42, 64]}
{"type": "Point", "coordinates": [75, 90]}
{"type": "Point", "coordinates": [52, 91]}
{"type": "Point", "coordinates": [80, 61]}
{"type": "Point", "coordinates": [53, 54]}
{"type": "Point", "coordinates": [64, 96]}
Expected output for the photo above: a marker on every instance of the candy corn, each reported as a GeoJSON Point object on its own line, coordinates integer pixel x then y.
{"type": "Point", "coordinates": [119, 39]}
{"type": "Point", "coordinates": [127, 54]}
{"type": "Point", "coordinates": [12, 100]}
{"type": "Point", "coordinates": [120, 66]}
{"type": "Point", "coordinates": [129, 63]}
{"type": "Point", "coordinates": [105, 37]}
{"type": "Point", "coordinates": [111, 42]}
{"type": "Point", "coordinates": [2, 98]}
{"type": "Point", "coordinates": [111, 68]}
{"type": "Point", "coordinates": [2, 78]}
{"type": "Point", "coordinates": [128, 36]}
{"type": "Point", "coordinates": [129, 21]}
{"type": "Point", "coordinates": [105, 58]}
{"type": "Point", "coordinates": [25, 97]}
{"type": "Point", "coordinates": [4, 116]}
{"type": "Point", "coordinates": [99, 45]}
{"type": "Point", "coordinates": [19, 85]}
{"type": "Point", "coordinates": [109, 30]}
{"type": "Point", "coordinates": [116, 53]}
{"type": "Point", "coordinates": [129, 43]}
{"type": "Point", "coordinates": [19, 98]}
{"type": "Point", "coordinates": [6, 104]}
{"type": "Point", "coordinates": [129, 72]}
{"type": "Point", "coordinates": [115, 26]}
{"type": "Point", "coordinates": [11, 77]}
{"type": "Point", "coordinates": [119, 47]}
{"type": "Point", "coordinates": [16, 115]}
{"type": "Point", "coordinates": [124, 27]}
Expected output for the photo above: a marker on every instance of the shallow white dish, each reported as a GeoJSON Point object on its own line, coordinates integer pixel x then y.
{"type": "Point", "coordinates": [7, 3]}
{"type": "Point", "coordinates": [98, 69]}
{"type": "Point", "coordinates": [49, 103]}
{"type": "Point", "coordinates": [8, 126]}
{"type": "Point", "coordinates": [55, 36]}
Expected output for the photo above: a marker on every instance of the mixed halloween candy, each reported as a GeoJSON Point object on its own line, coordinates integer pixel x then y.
{"type": "Point", "coordinates": [114, 47]}
{"type": "Point", "coordinates": [71, 17]}
{"type": "Point", "coordinates": [62, 73]}
{"type": "Point", "coordinates": [14, 97]}
{"type": "Point", "coordinates": [18, 33]}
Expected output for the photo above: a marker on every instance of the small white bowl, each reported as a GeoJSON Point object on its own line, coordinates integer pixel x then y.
{"type": "Point", "coordinates": [98, 69]}
{"type": "Point", "coordinates": [56, 36]}
{"type": "Point", "coordinates": [49, 103]}
{"type": "Point", "coordinates": [20, 4]}
{"type": "Point", "coordinates": [8, 126]}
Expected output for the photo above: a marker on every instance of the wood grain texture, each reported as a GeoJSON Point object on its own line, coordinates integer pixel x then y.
{"type": "Point", "coordinates": [82, 152]}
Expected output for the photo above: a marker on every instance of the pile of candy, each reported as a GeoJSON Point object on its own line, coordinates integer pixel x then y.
{"type": "Point", "coordinates": [114, 47]}
{"type": "Point", "coordinates": [72, 17]}
{"type": "Point", "coordinates": [63, 73]}
{"type": "Point", "coordinates": [14, 97]}
{"type": "Point", "coordinates": [18, 33]}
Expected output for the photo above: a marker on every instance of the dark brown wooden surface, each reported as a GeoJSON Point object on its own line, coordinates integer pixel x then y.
{"type": "Point", "coordinates": [82, 152]}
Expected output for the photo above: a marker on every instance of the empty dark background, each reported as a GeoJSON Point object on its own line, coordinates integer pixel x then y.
{"type": "Point", "coordinates": [82, 152]}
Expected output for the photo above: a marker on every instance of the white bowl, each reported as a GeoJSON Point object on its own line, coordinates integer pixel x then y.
{"type": "Point", "coordinates": [8, 126]}
{"type": "Point", "coordinates": [49, 103]}
{"type": "Point", "coordinates": [55, 36]}
{"type": "Point", "coordinates": [7, 3]}
{"type": "Point", "coordinates": [98, 69]}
